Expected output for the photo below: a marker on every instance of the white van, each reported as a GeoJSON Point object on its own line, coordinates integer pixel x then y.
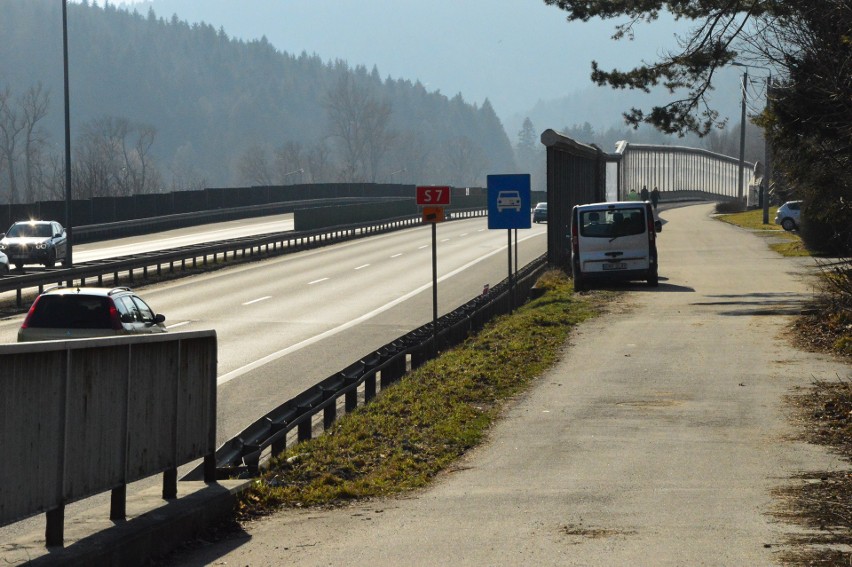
{"type": "Point", "coordinates": [614, 241]}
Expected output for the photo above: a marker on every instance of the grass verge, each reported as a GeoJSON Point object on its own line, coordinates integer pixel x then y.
{"type": "Point", "coordinates": [791, 244]}
{"type": "Point", "coordinates": [421, 425]}
{"type": "Point", "coordinates": [752, 220]}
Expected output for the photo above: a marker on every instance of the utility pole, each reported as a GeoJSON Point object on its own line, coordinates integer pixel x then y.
{"type": "Point", "coordinates": [767, 155]}
{"type": "Point", "coordinates": [742, 138]}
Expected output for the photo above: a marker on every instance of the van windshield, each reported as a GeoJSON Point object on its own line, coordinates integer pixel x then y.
{"type": "Point", "coordinates": [612, 223]}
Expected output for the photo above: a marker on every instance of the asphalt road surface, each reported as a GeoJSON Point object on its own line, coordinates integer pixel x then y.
{"type": "Point", "coordinates": [656, 440]}
{"type": "Point", "coordinates": [286, 323]}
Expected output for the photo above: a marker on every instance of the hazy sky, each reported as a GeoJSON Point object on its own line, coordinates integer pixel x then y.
{"type": "Point", "coordinates": [513, 52]}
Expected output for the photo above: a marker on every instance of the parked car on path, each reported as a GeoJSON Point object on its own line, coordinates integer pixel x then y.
{"type": "Point", "coordinates": [86, 312]}
{"type": "Point", "coordinates": [788, 215]}
{"type": "Point", "coordinates": [540, 212]}
{"type": "Point", "coordinates": [614, 241]}
{"type": "Point", "coordinates": [35, 242]}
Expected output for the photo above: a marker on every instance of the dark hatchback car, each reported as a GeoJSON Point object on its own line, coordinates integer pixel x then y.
{"type": "Point", "coordinates": [35, 242]}
{"type": "Point", "coordinates": [86, 312]}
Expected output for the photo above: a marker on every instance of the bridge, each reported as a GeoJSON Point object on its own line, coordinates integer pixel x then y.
{"type": "Point", "coordinates": [580, 173]}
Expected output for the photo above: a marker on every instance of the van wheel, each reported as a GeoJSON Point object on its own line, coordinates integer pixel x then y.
{"type": "Point", "coordinates": [654, 280]}
{"type": "Point", "coordinates": [580, 284]}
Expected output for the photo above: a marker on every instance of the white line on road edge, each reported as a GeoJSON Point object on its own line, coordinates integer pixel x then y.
{"type": "Point", "coordinates": [358, 320]}
{"type": "Point", "coordinates": [317, 281]}
{"type": "Point", "coordinates": [258, 300]}
{"type": "Point", "coordinates": [176, 325]}
{"type": "Point", "coordinates": [397, 255]}
{"type": "Point", "coordinates": [362, 267]}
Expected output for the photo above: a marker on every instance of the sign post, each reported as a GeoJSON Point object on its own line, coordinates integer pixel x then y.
{"type": "Point", "coordinates": [433, 199]}
{"type": "Point", "coordinates": [509, 208]}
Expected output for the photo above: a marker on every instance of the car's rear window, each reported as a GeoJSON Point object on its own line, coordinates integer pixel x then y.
{"type": "Point", "coordinates": [71, 312]}
{"type": "Point", "coordinates": [612, 223]}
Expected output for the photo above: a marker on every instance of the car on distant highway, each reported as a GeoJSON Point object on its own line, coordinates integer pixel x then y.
{"type": "Point", "coordinates": [35, 242]}
{"type": "Point", "coordinates": [86, 312]}
{"type": "Point", "coordinates": [788, 215]}
{"type": "Point", "coordinates": [540, 212]}
{"type": "Point", "coordinates": [4, 264]}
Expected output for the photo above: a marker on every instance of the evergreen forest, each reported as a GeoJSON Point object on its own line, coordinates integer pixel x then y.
{"type": "Point", "coordinates": [157, 104]}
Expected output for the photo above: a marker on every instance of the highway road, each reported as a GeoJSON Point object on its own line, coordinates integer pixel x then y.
{"type": "Point", "coordinates": [180, 237]}
{"type": "Point", "coordinates": [286, 323]}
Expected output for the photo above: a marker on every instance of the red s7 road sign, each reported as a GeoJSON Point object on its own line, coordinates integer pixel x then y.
{"type": "Point", "coordinates": [433, 195]}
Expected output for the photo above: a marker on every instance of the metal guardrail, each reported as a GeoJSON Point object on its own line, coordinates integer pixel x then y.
{"type": "Point", "coordinates": [242, 455]}
{"type": "Point", "coordinates": [251, 247]}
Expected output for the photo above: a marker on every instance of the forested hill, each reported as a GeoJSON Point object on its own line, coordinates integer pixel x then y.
{"type": "Point", "coordinates": [208, 110]}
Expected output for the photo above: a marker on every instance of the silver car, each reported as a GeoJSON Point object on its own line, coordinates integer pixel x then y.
{"type": "Point", "coordinates": [35, 242]}
{"type": "Point", "coordinates": [86, 312]}
{"type": "Point", "coordinates": [4, 264]}
{"type": "Point", "coordinates": [788, 215]}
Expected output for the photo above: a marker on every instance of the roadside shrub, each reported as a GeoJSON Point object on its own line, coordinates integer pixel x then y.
{"type": "Point", "coordinates": [818, 236]}
{"type": "Point", "coordinates": [730, 207]}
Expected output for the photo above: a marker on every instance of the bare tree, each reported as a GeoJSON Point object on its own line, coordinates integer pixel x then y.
{"type": "Point", "coordinates": [464, 161]}
{"type": "Point", "coordinates": [254, 167]}
{"type": "Point", "coordinates": [183, 171]}
{"type": "Point", "coordinates": [360, 123]}
{"type": "Point", "coordinates": [410, 153]}
{"type": "Point", "coordinates": [34, 105]}
{"type": "Point", "coordinates": [378, 137]}
{"type": "Point", "coordinates": [11, 125]}
{"type": "Point", "coordinates": [113, 159]}
{"type": "Point", "coordinates": [319, 164]}
{"type": "Point", "coordinates": [289, 168]}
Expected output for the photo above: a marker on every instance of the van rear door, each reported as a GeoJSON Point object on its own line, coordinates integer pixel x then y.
{"type": "Point", "coordinates": [613, 239]}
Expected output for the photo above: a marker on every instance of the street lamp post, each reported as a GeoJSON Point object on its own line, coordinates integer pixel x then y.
{"type": "Point", "coordinates": [299, 171]}
{"type": "Point", "coordinates": [69, 262]}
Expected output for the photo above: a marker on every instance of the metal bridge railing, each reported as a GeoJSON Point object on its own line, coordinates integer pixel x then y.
{"type": "Point", "coordinates": [677, 168]}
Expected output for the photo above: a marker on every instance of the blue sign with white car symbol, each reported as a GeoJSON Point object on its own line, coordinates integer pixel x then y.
{"type": "Point", "coordinates": [509, 201]}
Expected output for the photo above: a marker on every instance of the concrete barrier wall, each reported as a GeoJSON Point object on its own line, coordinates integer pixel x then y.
{"type": "Point", "coordinates": [81, 417]}
{"type": "Point", "coordinates": [323, 217]}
